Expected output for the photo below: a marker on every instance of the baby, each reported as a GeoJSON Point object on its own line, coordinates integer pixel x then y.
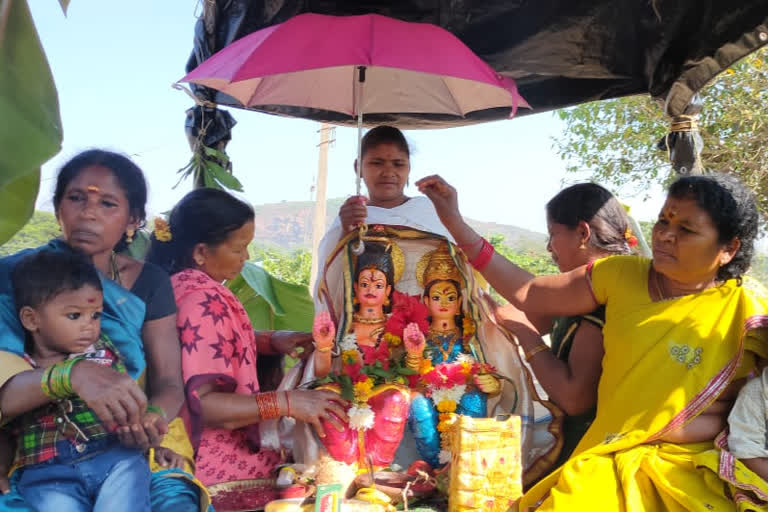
{"type": "Point", "coordinates": [66, 457]}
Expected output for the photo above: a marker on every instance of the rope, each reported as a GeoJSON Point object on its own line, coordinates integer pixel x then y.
{"type": "Point", "coordinates": [681, 124]}
{"type": "Point", "coordinates": [198, 101]}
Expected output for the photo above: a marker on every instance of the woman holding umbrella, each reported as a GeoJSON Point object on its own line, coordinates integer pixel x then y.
{"type": "Point", "coordinates": [386, 168]}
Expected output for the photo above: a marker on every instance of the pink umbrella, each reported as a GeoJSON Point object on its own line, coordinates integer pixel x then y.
{"type": "Point", "coordinates": [353, 65]}
{"type": "Point", "coordinates": [316, 61]}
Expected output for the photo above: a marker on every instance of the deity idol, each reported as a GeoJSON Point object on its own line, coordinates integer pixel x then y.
{"type": "Point", "coordinates": [451, 379]}
{"type": "Point", "coordinates": [370, 373]}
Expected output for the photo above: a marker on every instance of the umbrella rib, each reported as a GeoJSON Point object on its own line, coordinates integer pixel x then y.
{"type": "Point", "coordinates": [253, 94]}
{"type": "Point", "coordinates": [453, 98]}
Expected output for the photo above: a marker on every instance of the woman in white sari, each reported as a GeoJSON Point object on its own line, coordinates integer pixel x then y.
{"type": "Point", "coordinates": [386, 169]}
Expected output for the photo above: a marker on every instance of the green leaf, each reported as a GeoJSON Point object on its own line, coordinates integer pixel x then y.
{"type": "Point", "coordinates": [272, 303]}
{"type": "Point", "coordinates": [17, 203]}
{"type": "Point", "coordinates": [347, 389]}
{"type": "Point", "coordinates": [261, 283]}
{"type": "Point", "coordinates": [220, 155]}
{"type": "Point", "coordinates": [224, 177]}
{"type": "Point", "coordinates": [30, 130]}
{"type": "Point", "coordinates": [379, 372]}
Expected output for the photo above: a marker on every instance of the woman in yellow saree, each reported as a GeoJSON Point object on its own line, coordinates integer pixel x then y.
{"type": "Point", "coordinates": [681, 333]}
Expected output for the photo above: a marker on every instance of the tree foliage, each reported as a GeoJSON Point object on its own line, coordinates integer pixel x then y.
{"type": "Point", "coordinates": [41, 228]}
{"type": "Point", "coordinates": [615, 140]}
{"type": "Point", "coordinates": [292, 267]}
{"type": "Point", "coordinates": [535, 262]}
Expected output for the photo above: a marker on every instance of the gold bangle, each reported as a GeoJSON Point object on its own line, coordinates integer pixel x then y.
{"type": "Point", "coordinates": [323, 350]}
{"type": "Point", "coordinates": [541, 348]}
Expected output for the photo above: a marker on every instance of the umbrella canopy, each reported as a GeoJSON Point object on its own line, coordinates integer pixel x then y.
{"type": "Point", "coordinates": [350, 65]}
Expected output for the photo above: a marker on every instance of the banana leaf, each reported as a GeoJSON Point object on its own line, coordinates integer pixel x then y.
{"type": "Point", "coordinates": [272, 304]}
{"type": "Point", "coordinates": [30, 131]}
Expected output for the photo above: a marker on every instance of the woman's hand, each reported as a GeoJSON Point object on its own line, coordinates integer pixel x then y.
{"type": "Point", "coordinates": [168, 458]}
{"type": "Point", "coordinates": [413, 339]}
{"type": "Point", "coordinates": [311, 406]}
{"type": "Point", "coordinates": [443, 196]}
{"type": "Point", "coordinates": [508, 316]}
{"type": "Point", "coordinates": [323, 330]}
{"type": "Point", "coordinates": [115, 397]}
{"type": "Point", "coordinates": [289, 343]}
{"type": "Point", "coordinates": [149, 435]}
{"type": "Point", "coordinates": [353, 213]}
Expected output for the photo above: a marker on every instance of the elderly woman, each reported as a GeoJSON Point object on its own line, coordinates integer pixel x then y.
{"type": "Point", "coordinates": [100, 201]}
{"type": "Point", "coordinates": [205, 244]}
{"type": "Point", "coordinates": [681, 333]}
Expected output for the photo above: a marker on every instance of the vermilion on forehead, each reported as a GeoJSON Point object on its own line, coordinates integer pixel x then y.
{"type": "Point", "coordinates": [372, 274]}
{"type": "Point", "coordinates": [96, 179]}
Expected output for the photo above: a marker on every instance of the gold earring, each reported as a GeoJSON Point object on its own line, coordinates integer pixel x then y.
{"type": "Point", "coordinates": [386, 301]}
{"type": "Point", "coordinates": [129, 235]}
{"type": "Point", "coordinates": [582, 246]}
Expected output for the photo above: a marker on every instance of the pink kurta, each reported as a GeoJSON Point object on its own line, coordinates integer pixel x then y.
{"type": "Point", "coordinates": [219, 348]}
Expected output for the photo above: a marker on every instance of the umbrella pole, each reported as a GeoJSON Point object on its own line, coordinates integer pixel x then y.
{"type": "Point", "coordinates": [359, 247]}
{"type": "Point", "coordinates": [358, 107]}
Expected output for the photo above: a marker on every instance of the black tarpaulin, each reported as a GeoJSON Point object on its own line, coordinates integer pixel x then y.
{"type": "Point", "coordinates": [560, 52]}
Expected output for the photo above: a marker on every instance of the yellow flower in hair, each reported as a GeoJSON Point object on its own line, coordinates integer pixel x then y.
{"type": "Point", "coordinates": [162, 230]}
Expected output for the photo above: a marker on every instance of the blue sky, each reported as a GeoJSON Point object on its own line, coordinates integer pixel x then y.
{"type": "Point", "coordinates": [114, 63]}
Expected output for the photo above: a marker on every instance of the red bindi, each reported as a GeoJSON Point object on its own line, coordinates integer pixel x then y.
{"type": "Point", "coordinates": [91, 300]}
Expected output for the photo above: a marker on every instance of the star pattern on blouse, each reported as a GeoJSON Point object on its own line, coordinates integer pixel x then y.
{"type": "Point", "coordinates": [189, 336]}
{"type": "Point", "coordinates": [252, 387]}
{"type": "Point", "coordinates": [226, 348]}
{"type": "Point", "coordinates": [242, 356]}
{"type": "Point", "coordinates": [214, 306]}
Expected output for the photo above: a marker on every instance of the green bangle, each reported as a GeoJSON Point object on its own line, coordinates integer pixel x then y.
{"type": "Point", "coordinates": [45, 383]}
{"type": "Point", "coordinates": [157, 410]}
{"type": "Point", "coordinates": [55, 382]}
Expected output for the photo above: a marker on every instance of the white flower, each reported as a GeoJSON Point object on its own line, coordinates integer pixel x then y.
{"type": "Point", "coordinates": [348, 342]}
{"type": "Point", "coordinates": [465, 358]}
{"type": "Point", "coordinates": [360, 417]}
{"type": "Point", "coordinates": [452, 394]}
{"type": "Point", "coordinates": [444, 457]}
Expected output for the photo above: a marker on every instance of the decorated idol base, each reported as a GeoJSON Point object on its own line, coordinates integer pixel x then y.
{"type": "Point", "coordinates": [416, 353]}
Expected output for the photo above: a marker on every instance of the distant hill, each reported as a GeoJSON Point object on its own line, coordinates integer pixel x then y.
{"type": "Point", "coordinates": [288, 225]}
